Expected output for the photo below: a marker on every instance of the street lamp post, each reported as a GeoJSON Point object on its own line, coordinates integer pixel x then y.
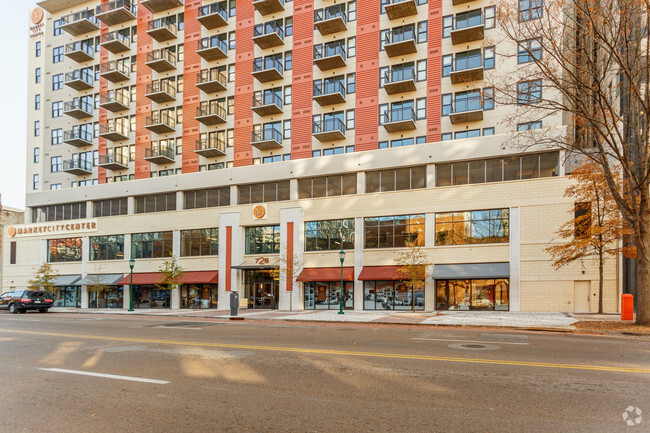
{"type": "Point", "coordinates": [341, 257]}
{"type": "Point", "coordinates": [131, 265]}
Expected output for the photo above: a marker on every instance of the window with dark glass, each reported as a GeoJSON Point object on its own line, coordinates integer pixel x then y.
{"type": "Point", "coordinates": [472, 227]}
{"type": "Point", "coordinates": [12, 253]}
{"type": "Point", "coordinates": [329, 235]}
{"type": "Point", "coordinates": [529, 92]}
{"type": "Point", "coordinates": [200, 242]}
{"type": "Point", "coordinates": [151, 245]}
{"type": "Point", "coordinates": [582, 220]}
{"type": "Point", "coordinates": [263, 240]}
{"type": "Point", "coordinates": [394, 231]}
{"type": "Point", "coordinates": [59, 212]}
{"type": "Point", "coordinates": [64, 250]}
{"type": "Point", "coordinates": [392, 295]}
{"type": "Point", "coordinates": [107, 247]}
{"type": "Point", "coordinates": [202, 198]}
{"type": "Point", "coordinates": [155, 203]}
{"type": "Point", "coordinates": [263, 192]}
{"type": "Point", "coordinates": [110, 207]}
{"type": "Point", "coordinates": [396, 179]}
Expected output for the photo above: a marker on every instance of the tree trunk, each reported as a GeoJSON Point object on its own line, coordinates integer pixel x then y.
{"type": "Point", "coordinates": [643, 263]}
{"type": "Point", "coordinates": [601, 259]}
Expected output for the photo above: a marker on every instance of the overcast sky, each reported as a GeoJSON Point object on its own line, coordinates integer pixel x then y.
{"type": "Point", "coordinates": [13, 109]}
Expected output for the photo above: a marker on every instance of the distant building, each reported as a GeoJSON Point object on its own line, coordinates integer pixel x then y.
{"type": "Point", "coordinates": [8, 216]}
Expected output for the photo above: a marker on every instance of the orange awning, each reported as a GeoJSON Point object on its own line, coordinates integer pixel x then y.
{"type": "Point", "coordinates": [200, 277]}
{"type": "Point", "coordinates": [153, 278]}
{"type": "Point", "coordinates": [369, 273]}
{"type": "Point", "coordinates": [142, 278]}
{"type": "Point", "coordinates": [326, 274]}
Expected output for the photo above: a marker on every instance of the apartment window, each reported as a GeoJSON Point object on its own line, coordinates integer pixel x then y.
{"type": "Point", "coordinates": [37, 128]}
{"type": "Point", "coordinates": [64, 250]}
{"type": "Point", "coordinates": [329, 235]}
{"type": "Point", "coordinates": [270, 159]}
{"type": "Point", "coordinates": [529, 126]}
{"type": "Point", "coordinates": [57, 82]}
{"type": "Point", "coordinates": [472, 227]}
{"type": "Point", "coordinates": [489, 14]}
{"type": "Point", "coordinates": [529, 50]}
{"type": "Point", "coordinates": [232, 10]}
{"type": "Point", "coordinates": [37, 154]}
{"type": "Point", "coordinates": [231, 105]}
{"type": "Point", "coordinates": [327, 186]}
{"type": "Point", "coordinates": [286, 129]}
{"type": "Point", "coordinates": [349, 119]}
{"type": "Point", "coordinates": [488, 131]}
{"type": "Point", "coordinates": [421, 108]}
{"type": "Point", "coordinates": [231, 40]}
{"type": "Point", "coordinates": [351, 83]}
{"type": "Point", "coordinates": [422, 31]}
{"type": "Point", "coordinates": [402, 142]}
{"type": "Point", "coordinates": [488, 98]}
{"type": "Point", "coordinates": [352, 47]}
{"type": "Point", "coordinates": [203, 198]}
{"type": "Point", "coordinates": [530, 9]}
{"type": "Point", "coordinates": [288, 26]}
{"type": "Point", "coordinates": [151, 245]}
{"type": "Point", "coordinates": [35, 182]}
{"type": "Point", "coordinates": [394, 231]}
{"type": "Point", "coordinates": [352, 11]}
{"type": "Point", "coordinates": [263, 192]}
{"type": "Point", "coordinates": [231, 73]}
{"type": "Point", "coordinates": [37, 75]}
{"type": "Point", "coordinates": [107, 247]}
{"type": "Point", "coordinates": [447, 26]}
{"type": "Point", "coordinates": [12, 253]}
{"type": "Point", "coordinates": [201, 242]}
{"type": "Point", "coordinates": [287, 95]}
{"type": "Point", "coordinates": [288, 60]}
{"type": "Point", "coordinates": [472, 133]}
{"type": "Point", "coordinates": [263, 240]}
{"type": "Point", "coordinates": [582, 220]}
{"type": "Point", "coordinates": [181, 21]}
{"type": "Point", "coordinates": [57, 28]}
{"type": "Point", "coordinates": [446, 104]}
{"type": "Point", "coordinates": [56, 164]}
{"type": "Point", "coordinates": [57, 54]}
{"type": "Point", "coordinates": [529, 92]}
{"type": "Point", "coordinates": [110, 207]}
{"type": "Point", "coordinates": [488, 58]}
{"type": "Point", "coordinates": [57, 136]}
{"type": "Point", "coordinates": [38, 49]}
{"type": "Point", "coordinates": [155, 203]}
{"type": "Point", "coordinates": [447, 64]}
{"type": "Point", "coordinates": [421, 72]}
{"type": "Point", "coordinates": [57, 109]}
{"type": "Point", "coordinates": [396, 179]}
{"type": "Point", "coordinates": [446, 136]}
{"type": "Point", "coordinates": [55, 186]}
{"type": "Point", "coordinates": [37, 102]}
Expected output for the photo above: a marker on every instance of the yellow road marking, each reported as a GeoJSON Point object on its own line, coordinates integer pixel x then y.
{"type": "Point", "coordinates": [340, 352]}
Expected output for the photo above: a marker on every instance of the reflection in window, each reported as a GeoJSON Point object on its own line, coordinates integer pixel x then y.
{"type": "Point", "coordinates": [201, 242]}
{"type": "Point", "coordinates": [483, 294]}
{"type": "Point", "coordinates": [64, 250]}
{"type": "Point", "coordinates": [326, 295]}
{"type": "Point", "coordinates": [396, 179]}
{"type": "Point", "coordinates": [394, 231]}
{"type": "Point", "coordinates": [392, 295]}
{"type": "Point", "coordinates": [107, 247]}
{"type": "Point", "coordinates": [263, 240]}
{"type": "Point", "coordinates": [472, 227]}
{"type": "Point", "coordinates": [151, 245]}
{"type": "Point", "coordinates": [332, 235]}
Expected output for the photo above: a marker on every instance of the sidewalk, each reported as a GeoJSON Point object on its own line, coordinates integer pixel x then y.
{"type": "Point", "coordinates": [442, 318]}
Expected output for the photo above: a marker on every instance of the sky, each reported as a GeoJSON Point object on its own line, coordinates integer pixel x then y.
{"type": "Point", "coordinates": [13, 109]}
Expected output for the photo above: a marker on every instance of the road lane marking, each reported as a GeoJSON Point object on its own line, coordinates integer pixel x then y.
{"type": "Point", "coordinates": [107, 376]}
{"type": "Point", "coordinates": [468, 341]}
{"type": "Point", "coordinates": [341, 352]}
{"type": "Point", "coordinates": [24, 320]}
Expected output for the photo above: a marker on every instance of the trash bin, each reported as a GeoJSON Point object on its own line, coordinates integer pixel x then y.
{"type": "Point", "coordinates": [627, 306]}
{"type": "Point", "coordinates": [234, 303]}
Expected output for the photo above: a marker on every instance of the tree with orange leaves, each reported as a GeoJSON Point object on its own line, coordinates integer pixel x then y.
{"type": "Point", "coordinates": [597, 227]}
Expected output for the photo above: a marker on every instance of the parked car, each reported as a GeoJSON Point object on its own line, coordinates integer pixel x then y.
{"type": "Point", "coordinates": [19, 301]}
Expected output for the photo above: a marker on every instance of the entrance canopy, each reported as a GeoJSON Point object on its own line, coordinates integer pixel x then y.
{"type": "Point", "coordinates": [326, 274]}
{"type": "Point", "coordinates": [371, 273]}
{"type": "Point", "coordinates": [471, 270]}
{"type": "Point", "coordinates": [100, 279]}
{"type": "Point", "coordinates": [67, 280]}
{"type": "Point", "coordinates": [153, 278]}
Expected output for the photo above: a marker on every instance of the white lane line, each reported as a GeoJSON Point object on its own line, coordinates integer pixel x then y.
{"type": "Point", "coordinates": [468, 341]}
{"type": "Point", "coordinates": [107, 376]}
{"type": "Point", "coordinates": [25, 320]}
{"type": "Point", "coordinates": [176, 327]}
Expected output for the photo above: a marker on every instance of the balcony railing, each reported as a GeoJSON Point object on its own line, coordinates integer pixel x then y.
{"type": "Point", "coordinates": [212, 48]}
{"type": "Point", "coordinates": [467, 68]}
{"type": "Point", "coordinates": [329, 56]}
{"type": "Point", "coordinates": [115, 100]}
{"type": "Point", "coordinates": [156, 6]}
{"type": "Point", "coordinates": [396, 9]}
{"type": "Point", "coordinates": [79, 23]}
{"type": "Point", "coordinates": [399, 80]}
{"type": "Point", "coordinates": [116, 12]}
{"type": "Point", "coordinates": [115, 71]}
{"type": "Point", "coordinates": [265, 7]}
{"type": "Point", "coordinates": [161, 122]}
{"type": "Point", "coordinates": [331, 19]}
{"type": "Point", "coordinates": [162, 29]}
{"type": "Point", "coordinates": [115, 42]}
{"type": "Point", "coordinates": [80, 51]}
{"type": "Point", "coordinates": [114, 131]}
{"type": "Point", "coordinates": [211, 80]}
{"type": "Point", "coordinates": [398, 119]}
{"type": "Point", "coordinates": [80, 79]}
{"type": "Point", "coordinates": [159, 154]}
{"type": "Point", "coordinates": [213, 16]}
{"type": "Point", "coordinates": [79, 108]}
{"type": "Point", "coordinates": [467, 109]}
{"type": "Point", "coordinates": [113, 161]}
{"type": "Point", "coordinates": [267, 103]}
{"type": "Point", "coordinates": [211, 112]}
{"type": "Point", "coordinates": [400, 42]}
{"type": "Point", "coordinates": [211, 146]}
{"type": "Point", "coordinates": [268, 35]}
{"type": "Point", "coordinates": [266, 139]}
{"type": "Point", "coordinates": [79, 167]}
{"type": "Point", "coordinates": [468, 27]}
{"type": "Point", "coordinates": [78, 137]}
{"type": "Point", "coordinates": [329, 92]}
{"type": "Point", "coordinates": [161, 60]}
{"type": "Point", "coordinates": [161, 91]}
{"type": "Point", "coordinates": [328, 129]}
{"type": "Point", "coordinates": [267, 69]}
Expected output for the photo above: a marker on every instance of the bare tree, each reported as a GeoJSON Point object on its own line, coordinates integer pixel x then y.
{"type": "Point", "coordinates": [413, 264]}
{"type": "Point", "coordinates": [584, 63]}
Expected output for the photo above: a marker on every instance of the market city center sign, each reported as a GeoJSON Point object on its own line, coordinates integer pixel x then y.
{"type": "Point", "coordinates": [58, 228]}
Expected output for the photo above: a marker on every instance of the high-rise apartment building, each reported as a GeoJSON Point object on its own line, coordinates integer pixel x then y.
{"type": "Point", "coordinates": [255, 140]}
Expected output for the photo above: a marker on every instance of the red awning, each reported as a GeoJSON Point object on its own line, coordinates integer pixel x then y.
{"type": "Point", "coordinates": [369, 273]}
{"type": "Point", "coordinates": [326, 274]}
{"type": "Point", "coordinates": [153, 278]}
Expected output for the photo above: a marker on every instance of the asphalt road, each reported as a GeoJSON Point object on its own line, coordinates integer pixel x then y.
{"type": "Point", "coordinates": [167, 375]}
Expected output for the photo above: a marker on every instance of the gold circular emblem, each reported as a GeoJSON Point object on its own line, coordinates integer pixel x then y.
{"type": "Point", "coordinates": [12, 231]}
{"type": "Point", "coordinates": [37, 15]}
{"type": "Point", "coordinates": [259, 211]}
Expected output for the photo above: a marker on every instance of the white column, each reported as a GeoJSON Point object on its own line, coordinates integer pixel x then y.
{"type": "Point", "coordinates": [515, 259]}
{"type": "Point", "coordinates": [230, 219]}
{"type": "Point", "coordinates": [431, 175]}
{"type": "Point", "coordinates": [180, 204]}
{"type": "Point", "coordinates": [429, 242]}
{"type": "Point", "coordinates": [85, 256]}
{"type": "Point", "coordinates": [89, 209]}
{"type": "Point", "coordinates": [233, 195]}
{"type": "Point", "coordinates": [176, 250]}
{"type": "Point", "coordinates": [291, 300]}
{"type": "Point", "coordinates": [127, 256]}
{"type": "Point", "coordinates": [293, 189]}
{"type": "Point", "coordinates": [358, 259]}
{"type": "Point", "coordinates": [361, 182]}
{"type": "Point", "coordinates": [130, 205]}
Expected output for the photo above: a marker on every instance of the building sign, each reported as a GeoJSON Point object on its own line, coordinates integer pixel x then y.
{"type": "Point", "coordinates": [55, 228]}
{"type": "Point", "coordinates": [259, 211]}
{"type": "Point", "coordinates": [37, 29]}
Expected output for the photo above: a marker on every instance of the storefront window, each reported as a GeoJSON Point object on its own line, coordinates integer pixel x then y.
{"type": "Point", "coordinates": [326, 295]}
{"type": "Point", "coordinates": [66, 296]}
{"type": "Point", "coordinates": [392, 295]}
{"type": "Point", "coordinates": [203, 296]}
{"type": "Point", "coordinates": [145, 296]}
{"type": "Point", "coordinates": [478, 294]}
{"type": "Point", "coordinates": [331, 235]}
{"type": "Point", "coordinates": [111, 297]}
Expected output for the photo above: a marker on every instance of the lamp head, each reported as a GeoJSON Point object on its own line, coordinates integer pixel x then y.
{"type": "Point", "coordinates": [131, 263]}
{"type": "Point", "coordinates": [342, 255]}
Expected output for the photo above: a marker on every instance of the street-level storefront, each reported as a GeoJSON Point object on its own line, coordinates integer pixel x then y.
{"type": "Point", "coordinates": [199, 289]}
{"type": "Point", "coordinates": [474, 286]}
{"type": "Point", "coordinates": [67, 293]}
{"type": "Point", "coordinates": [261, 288]}
{"type": "Point", "coordinates": [322, 288]}
{"type": "Point", "coordinates": [384, 288]}
{"type": "Point", "coordinates": [147, 290]}
{"type": "Point", "coordinates": [103, 290]}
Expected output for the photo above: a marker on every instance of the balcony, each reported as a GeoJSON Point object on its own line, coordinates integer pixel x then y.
{"type": "Point", "coordinates": [398, 119]}
{"type": "Point", "coordinates": [80, 79]}
{"type": "Point", "coordinates": [79, 167]}
{"type": "Point", "coordinates": [467, 71]}
{"type": "Point", "coordinates": [114, 71]}
{"type": "Point", "coordinates": [400, 43]}
{"type": "Point", "coordinates": [211, 112]}
{"type": "Point", "coordinates": [114, 161]}
{"type": "Point", "coordinates": [399, 80]}
{"type": "Point", "coordinates": [80, 51]}
{"type": "Point", "coordinates": [210, 147]}
{"type": "Point", "coordinates": [328, 57]}
{"type": "Point", "coordinates": [115, 42]}
{"type": "Point", "coordinates": [161, 29]}
{"type": "Point", "coordinates": [161, 60]}
{"type": "Point", "coordinates": [79, 23]}
{"type": "Point", "coordinates": [267, 139]}
{"type": "Point", "coordinates": [267, 69]}
{"type": "Point", "coordinates": [328, 129]}
{"type": "Point", "coordinates": [114, 131]}
{"type": "Point", "coordinates": [213, 16]}
{"type": "Point", "coordinates": [212, 48]}
{"type": "Point", "coordinates": [161, 91]}
{"type": "Point", "coordinates": [116, 12]}
{"type": "Point", "coordinates": [268, 35]}
{"type": "Point", "coordinates": [466, 110]}
{"type": "Point", "coordinates": [156, 6]}
{"type": "Point", "coordinates": [115, 100]}
{"type": "Point", "coordinates": [267, 103]}
{"type": "Point", "coordinates": [161, 122]}
{"type": "Point", "coordinates": [329, 92]}
{"type": "Point", "coordinates": [159, 155]}
{"type": "Point", "coordinates": [79, 108]}
{"type": "Point", "coordinates": [265, 7]}
{"type": "Point", "coordinates": [468, 30]}
{"type": "Point", "coordinates": [330, 20]}
{"type": "Point", "coordinates": [211, 80]}
{"type": "Point", "coordinates": [78, 137]}
{"type": "Point", "coordinates": [396, 9]}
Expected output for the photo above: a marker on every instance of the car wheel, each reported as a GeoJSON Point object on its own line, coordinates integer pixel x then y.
{"type": "Point", "coordinates": [13, 309]}
{"type": "Point", "coordinates": [42, 310]}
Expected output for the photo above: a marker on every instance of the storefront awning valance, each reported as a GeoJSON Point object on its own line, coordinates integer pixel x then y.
{"type": "Point", "coordinates": [471, 270]}
{"type": "Point", "coordinates": [370, 273]}
{"type": "Point", "coordinates": [326, 274]}
{"type": "Point", "coordinates": [153, 278]}
{"type": "Point", "coordinates": [66, 280]}
{"type": "Point", "coordinates": [142, 278]}
{"type": "Point", "coordinates": [100, 279]}
{"type": "Point", "coordinates": [200, 277]}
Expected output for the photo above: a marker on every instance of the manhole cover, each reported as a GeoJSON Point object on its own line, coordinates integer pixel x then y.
{"type": "Point", "coordinates": [474, 346]}
{"type": "Point", "coordinates": [470, 346]}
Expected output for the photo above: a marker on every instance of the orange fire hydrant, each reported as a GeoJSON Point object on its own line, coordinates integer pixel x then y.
{"type": "Point", "coordinates": [627, 307]}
